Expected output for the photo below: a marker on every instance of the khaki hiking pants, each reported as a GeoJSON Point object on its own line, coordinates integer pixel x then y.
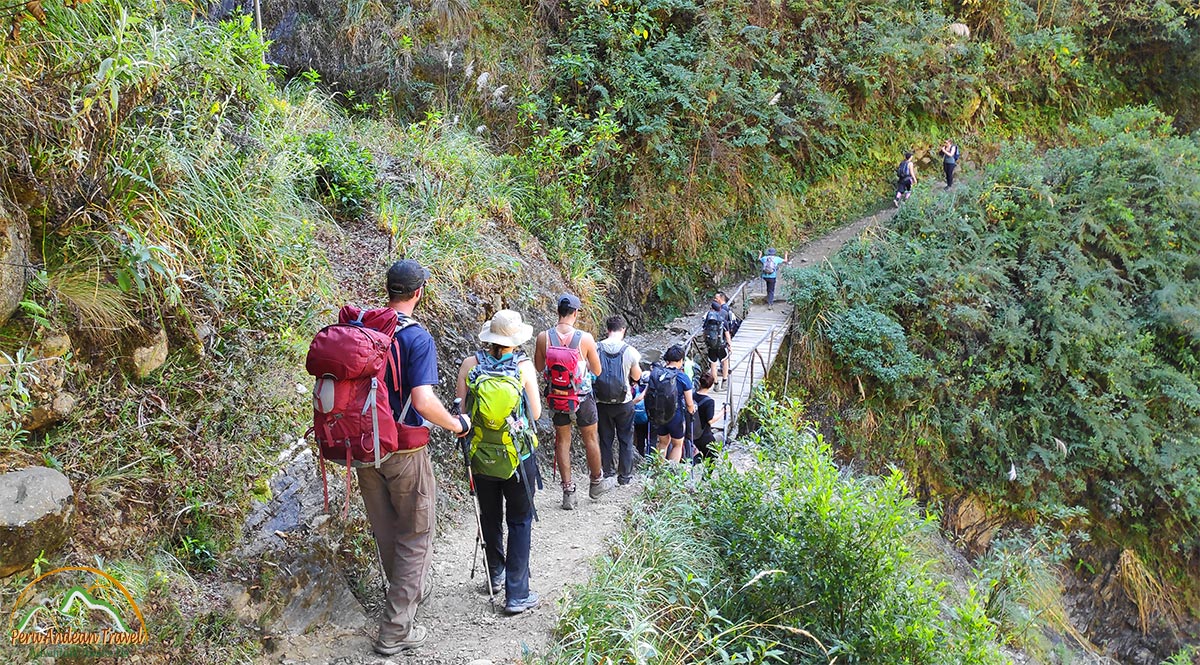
{"type": "Point", "coordinates": [399, 497]}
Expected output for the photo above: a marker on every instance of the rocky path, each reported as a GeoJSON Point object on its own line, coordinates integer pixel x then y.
{"type": "Point", "coordinates": [463, 628]}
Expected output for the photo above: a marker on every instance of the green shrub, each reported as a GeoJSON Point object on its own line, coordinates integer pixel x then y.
{"type": "Point", "coordinates": [345, 172]}
{"type": "Point", "coordinates": [869, 343]}
{"type": "Point", "coordinates": [791, 561]}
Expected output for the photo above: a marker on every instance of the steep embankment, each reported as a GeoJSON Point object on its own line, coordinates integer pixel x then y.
{"type": "Point", "coordinates": [1026, 347]}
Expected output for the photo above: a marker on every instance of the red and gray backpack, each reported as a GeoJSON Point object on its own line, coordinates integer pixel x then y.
{"type": "Point", "coordinates": [564, 372]}
{"type": "Point", "coordinates": [352, 418]}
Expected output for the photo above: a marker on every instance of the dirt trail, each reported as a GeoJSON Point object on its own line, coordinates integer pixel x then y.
{"type": "Point", "coordinates": [462, 626]}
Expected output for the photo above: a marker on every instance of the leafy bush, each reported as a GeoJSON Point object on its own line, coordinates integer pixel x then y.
{"type": "Point", "coordinates": [742, 125]}
{"type": "Point", "coordinates": [791, 561]}
{"type": "Point", "coordinates": [345, 172]}
{"type": "Point", "coordinates": [1053, 301]}
{"type": "Point", "coordinates": [869, 343]}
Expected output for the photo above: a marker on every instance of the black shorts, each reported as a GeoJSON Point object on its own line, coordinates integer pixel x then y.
{"type": "Point", "coordinates": [584, 416]}
{"type": "Point", "coordinates": [721, 353]}
{"type": "Point", "coordinates": [904, 185]}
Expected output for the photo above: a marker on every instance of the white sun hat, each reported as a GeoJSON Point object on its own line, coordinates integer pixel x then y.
{"type": "Point", "coordinates": [506, 329]}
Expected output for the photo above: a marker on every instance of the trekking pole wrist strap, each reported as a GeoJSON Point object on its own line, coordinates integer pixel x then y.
{"type": "Point", "coordinates": [462, 422]}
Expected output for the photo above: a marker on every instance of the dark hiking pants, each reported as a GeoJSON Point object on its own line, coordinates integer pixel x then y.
{"type": "Point", "coordinates": [508, 502]}
{"type": "Point", "coordinates": [616, 422]}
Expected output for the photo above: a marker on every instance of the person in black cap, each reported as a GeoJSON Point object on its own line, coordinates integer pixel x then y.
{"type": "Point", "coordinates": [576, 403]}
{"type": "Point", "coordinates": [399, 494]}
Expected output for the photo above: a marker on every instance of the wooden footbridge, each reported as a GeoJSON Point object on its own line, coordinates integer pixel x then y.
{"type": "Point", "coordinates": [752, 353]}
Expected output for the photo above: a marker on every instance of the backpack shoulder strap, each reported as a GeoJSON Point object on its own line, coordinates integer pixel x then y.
{"type": "Point", "coordinates": [395, 361]}
{"type": "Point", "coordinates": [575, 339]}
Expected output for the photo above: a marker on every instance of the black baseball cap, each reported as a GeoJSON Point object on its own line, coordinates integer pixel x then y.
{"type": "Point", "coordinates": [568, 300]}
{"type": "Point", "coordinates": [406, 276]}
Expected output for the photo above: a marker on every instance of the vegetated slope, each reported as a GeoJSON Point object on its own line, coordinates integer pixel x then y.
{"type": "Point", "coordinates": [1033, 337]}
{"type": "Point", "coordinates": [171, 184]}
{"type": "Point", "coordinates": [675, 135]}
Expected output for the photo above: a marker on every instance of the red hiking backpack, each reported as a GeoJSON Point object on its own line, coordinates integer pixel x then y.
{"type": "Point", "coordinates": [564, 372]}
{"type": "Point", "coordinates": [352, 418]}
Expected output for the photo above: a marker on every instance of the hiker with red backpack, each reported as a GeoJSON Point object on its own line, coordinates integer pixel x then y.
{"type": "Point", "coordinates": [565, 355]}
{"type": "Point", "coordinates": [498, 387]}
{"type": "Point", "coordinates": [373, 406]}
{"type": "Point", "coordinates": [620, 364]}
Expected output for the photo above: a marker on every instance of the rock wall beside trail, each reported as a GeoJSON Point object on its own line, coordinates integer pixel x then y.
{"type": "Point", "coordinates": [14, 258]}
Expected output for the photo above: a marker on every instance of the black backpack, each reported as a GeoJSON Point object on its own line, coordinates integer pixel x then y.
{"type": "Point", "coordinates": [610, 387]}
{"type": "Point", "coordinates": [714, 330]}
{"type": "Point", "coordinates": [902, 172]}
{"type": "Point", "coordinates": [662, 395]}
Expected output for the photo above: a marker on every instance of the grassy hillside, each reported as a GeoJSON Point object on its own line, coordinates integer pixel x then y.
{"type": "Point", "coordinates": [176, 183]}
{"type": "Point", "coordinates": [1033, 336]}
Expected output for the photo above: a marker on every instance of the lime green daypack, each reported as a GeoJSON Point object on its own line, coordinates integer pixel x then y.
{"type": "Point", "coordinates": [501, 435]}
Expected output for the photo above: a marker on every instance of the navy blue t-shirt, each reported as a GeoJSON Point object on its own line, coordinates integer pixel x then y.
{"type": "Point", "coordinates": [684, 384]}
{"type": "Point", "coordinates": [418, 367]}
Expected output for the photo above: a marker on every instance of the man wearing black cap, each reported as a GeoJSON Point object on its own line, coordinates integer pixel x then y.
{"type": "Point", "coordinates": [399, 495]}
{"type": "Point", "coordinates": [585, 416]}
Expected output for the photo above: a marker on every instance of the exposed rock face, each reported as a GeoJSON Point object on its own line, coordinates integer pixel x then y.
{"type": "Point", "coordinates": [148, 358]}
{"type": "Point", "coordinates": [14, 256]}
{"type": "Point", "coordinates": [37, 508]}
{"type": "Point", "coordinates": [303, 584]}
{"type": "Point", "coordinates": [967, 517]}
{"type": "Point", "coordinates": [46, 380]}
{"type": "Point", "coordinates": [633, 286]}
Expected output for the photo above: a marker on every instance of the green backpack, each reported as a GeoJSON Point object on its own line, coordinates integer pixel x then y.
{"type": "Point", "coordinates": [501, 435]}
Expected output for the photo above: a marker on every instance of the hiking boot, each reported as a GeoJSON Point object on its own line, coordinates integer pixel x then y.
{"type": "Point", "coordinates": [525, 604]}
{"type": "Point", "coordinates": [896, 202]}
{"type": "Point", "coordinates": [415, 638]}
{"type": "Point", "coordinates": [569, 502]}
{"type": "Point", "coordinates": [624, 480]}
{"type": "Point", "coordinates": [497, 582]}
{"type": "Point", "coordinates": [601, 486]}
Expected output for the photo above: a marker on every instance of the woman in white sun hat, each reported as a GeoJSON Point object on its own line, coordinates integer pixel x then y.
{"type": "Point", "coordinates": [499, 386]}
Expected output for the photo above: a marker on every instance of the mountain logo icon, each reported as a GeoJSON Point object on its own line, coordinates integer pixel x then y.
{"type": "Point", "coordinates": [77, 611]}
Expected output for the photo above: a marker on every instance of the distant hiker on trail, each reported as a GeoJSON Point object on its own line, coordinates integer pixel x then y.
{"type": "Point", "coordinates": [499, 388]}
{"type": "Point", "coordinates": [669, 403]}
{"type": "Point", "coordinates": [399, 495]}
{"type": "Point", "coordinates": [906, 175]}
{"type": "Point", "coordinates": [706, 410]}
{"type": "Point", "coordinates": [950, 155]}
{"type": "Point", "coordinates": [770, 272]}
{"type": "Point", "coordinates": [614, 400]}
{"type": "Point", "coordinates": [717, 339]}
{"type": "Point", "coordinates": [564, 356]}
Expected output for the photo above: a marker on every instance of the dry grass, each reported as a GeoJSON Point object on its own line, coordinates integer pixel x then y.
{"type": "Point", "coordinates": [1140, 585]}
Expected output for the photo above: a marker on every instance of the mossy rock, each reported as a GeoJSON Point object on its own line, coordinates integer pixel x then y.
{"type": "Point", "coordinates": [37, 510]}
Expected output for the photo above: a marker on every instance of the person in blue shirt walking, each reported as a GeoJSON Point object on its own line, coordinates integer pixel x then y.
{"type": "Point", "coordinates": [770, 271]}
